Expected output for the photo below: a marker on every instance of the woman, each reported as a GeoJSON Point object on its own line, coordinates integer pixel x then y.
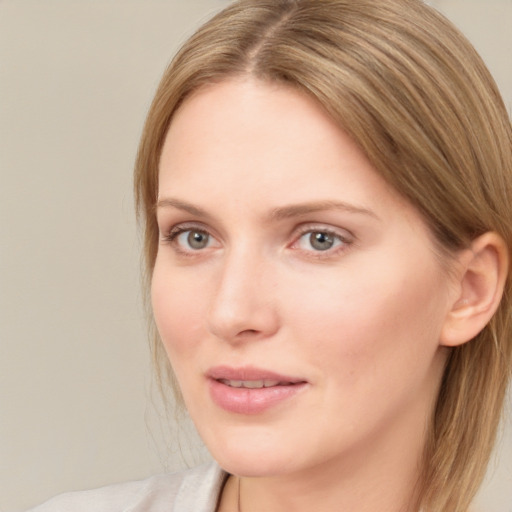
{"type": "Point", "coordinates": [324, 193]}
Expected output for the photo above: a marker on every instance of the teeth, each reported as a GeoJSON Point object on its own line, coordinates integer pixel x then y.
{"type": "Point", "coordinates": [271, 383]}
{"type": "Point", "coordinates": [251, 384]}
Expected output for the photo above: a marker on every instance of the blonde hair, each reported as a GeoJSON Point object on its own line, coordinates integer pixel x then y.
{"type": "Point", "coordinates": [418, 100]}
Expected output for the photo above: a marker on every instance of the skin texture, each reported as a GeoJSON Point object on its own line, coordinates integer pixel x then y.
{"type": "Point", "coordinates": [359, 322]}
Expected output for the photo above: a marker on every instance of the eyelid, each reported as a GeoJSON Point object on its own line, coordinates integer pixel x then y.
{"type": "Point", "coordinates": [347, 238]}
{"type": "Point", "coordinates": [180, 227]}
{"type": "Point", "coordinates": [343, 233]}
{"type": "Point", "coordinates": [171, 235]}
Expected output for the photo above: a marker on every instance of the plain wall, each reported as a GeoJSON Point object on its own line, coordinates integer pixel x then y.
{"type": "Point", "coordinates": [76, 79]}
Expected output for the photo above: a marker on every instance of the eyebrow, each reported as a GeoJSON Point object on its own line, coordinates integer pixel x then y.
{"type": "Point", "coordinates": [281, 213]}
{"type": "Point", "coordinates": [296, 210]}
{"type": "Point", "coordinates": [184, 206]}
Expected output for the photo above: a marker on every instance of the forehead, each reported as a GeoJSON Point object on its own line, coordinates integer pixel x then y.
{"type": "Point", "coordinates": [252, 107]}
{"type": "Point", "coordinates": [266, 144]}
{"type": "Point", "coordinates": [263, 123]}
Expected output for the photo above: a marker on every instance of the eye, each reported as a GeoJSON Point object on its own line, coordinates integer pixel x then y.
{"type": "Point", "coordinates": [320, 241]}
{"type": "Point", "coordinates": [193, 239]}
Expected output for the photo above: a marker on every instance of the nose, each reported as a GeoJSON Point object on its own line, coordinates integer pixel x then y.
{"type": "Point", "coordinates": [243, 306]}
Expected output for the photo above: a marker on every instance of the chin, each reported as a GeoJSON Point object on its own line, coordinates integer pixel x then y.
{"type": "Point", "coordinates": [256, 467]}
{"type": "Point", "coordinates": [250, 457]}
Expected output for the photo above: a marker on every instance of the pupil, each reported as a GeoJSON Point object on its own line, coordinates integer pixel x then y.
{"type": "Point", "coordinates": [321, 241]}
{"type": "Point", "coordinates": [197, 240]}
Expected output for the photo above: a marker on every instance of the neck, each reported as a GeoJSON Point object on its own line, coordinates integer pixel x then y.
{"type": "Point", "coordinates": [327, 494]}
{"type": "Point", "coordinates": [378, 477]}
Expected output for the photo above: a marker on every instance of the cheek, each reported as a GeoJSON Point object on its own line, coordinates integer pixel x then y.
{"type": "Point", "coordinates": [378, 319]}
{"type": "Point", "coordinates": [179, 310]}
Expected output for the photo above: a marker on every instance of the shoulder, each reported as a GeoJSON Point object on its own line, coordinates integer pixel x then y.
{"type": "Point", "coordinates": [196, 489]}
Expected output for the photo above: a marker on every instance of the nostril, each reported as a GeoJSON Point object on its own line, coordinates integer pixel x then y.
{"type": "Point", "coordinates": [248, 331]}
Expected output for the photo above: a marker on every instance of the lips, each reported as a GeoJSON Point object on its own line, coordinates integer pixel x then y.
{"type": "Point", "coordinates": [252, 384]}
{"type": "Point", "coordinates": [250, 390]}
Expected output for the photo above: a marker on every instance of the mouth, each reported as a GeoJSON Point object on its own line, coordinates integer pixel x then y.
{"type": "Point", "coordinates": [254, 384]}
{"type": "Point", "coordinates": [250, 390]}
{"type": "Point", "coordinates": [250, 375]}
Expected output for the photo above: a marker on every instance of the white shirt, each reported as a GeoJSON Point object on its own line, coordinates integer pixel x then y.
{"type": "Point", "coordinates": [195, 490]}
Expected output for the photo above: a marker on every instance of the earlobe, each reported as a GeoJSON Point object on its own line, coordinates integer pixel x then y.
{"type": "Point", "coordinates": [483, 273]}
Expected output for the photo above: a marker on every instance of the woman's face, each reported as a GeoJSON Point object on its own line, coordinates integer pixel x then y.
{"type": "Point", "coordinates": [298, 297]}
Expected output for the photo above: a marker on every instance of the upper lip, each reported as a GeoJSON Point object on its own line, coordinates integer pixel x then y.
{"type": "Point", "coordinates": [249, 373]}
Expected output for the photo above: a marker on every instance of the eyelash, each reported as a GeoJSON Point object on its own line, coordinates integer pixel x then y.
{"type": "Point", "coordinates": [171, 238]}
{"type": "Point", "coordinates": [345, 240]}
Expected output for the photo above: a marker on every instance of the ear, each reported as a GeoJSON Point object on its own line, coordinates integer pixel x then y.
{"type": "Point", "coordinates": [481, 279]}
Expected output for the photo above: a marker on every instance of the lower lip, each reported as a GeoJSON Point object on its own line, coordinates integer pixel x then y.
{"type": "Point", "coordinates": [249, 400]}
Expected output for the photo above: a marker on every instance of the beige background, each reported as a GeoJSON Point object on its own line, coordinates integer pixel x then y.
{"type": "Point", "coordinates": [76, 78]}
